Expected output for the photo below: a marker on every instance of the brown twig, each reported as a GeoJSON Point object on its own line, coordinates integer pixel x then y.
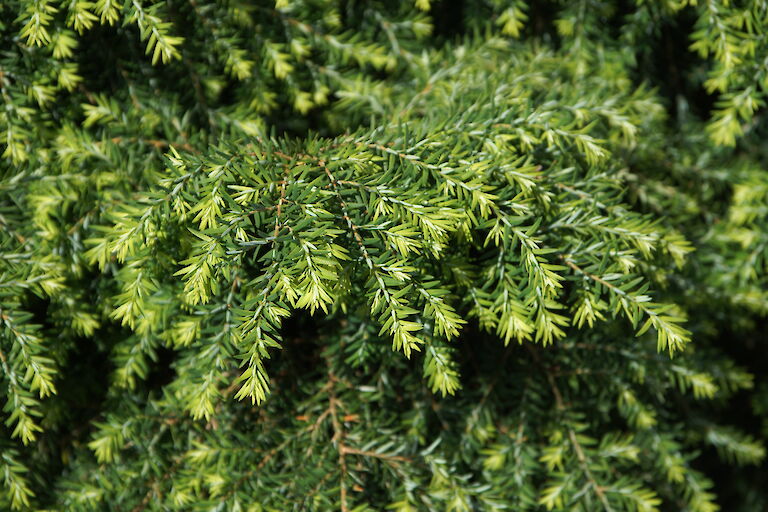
{"type": "Point", "coordinates": [595, 278]}
{"type": "Point", "coordinates": [157, 143]}
{"type": "Point", "coordinates": [560, 405]}
{"type": "Point", "coordinates": [338, 438]}
{"type": "Point", "coordinates": [365, 453]}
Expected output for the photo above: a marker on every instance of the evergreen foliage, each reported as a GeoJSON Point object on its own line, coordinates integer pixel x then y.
{"type": "Point", "coordinates": [383, 255]}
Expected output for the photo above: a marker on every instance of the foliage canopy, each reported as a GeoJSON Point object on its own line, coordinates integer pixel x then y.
{"type": "Point", "coordinates": [366, 255]}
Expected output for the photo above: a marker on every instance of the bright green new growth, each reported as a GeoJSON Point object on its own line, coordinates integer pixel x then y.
{"type": "Point", "coordinates": [323, 223]}
{"type": "Point", "coordinates": [365, 256]}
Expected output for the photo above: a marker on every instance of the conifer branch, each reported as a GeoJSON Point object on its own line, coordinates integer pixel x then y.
{"type": "Point", "coordinates": [560, 405]}
{"type": "Point", "coordinates": [238, 239]}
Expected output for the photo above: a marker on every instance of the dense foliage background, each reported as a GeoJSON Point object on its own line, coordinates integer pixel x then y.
{"type": "Point", "coordinates": [383, 255]}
